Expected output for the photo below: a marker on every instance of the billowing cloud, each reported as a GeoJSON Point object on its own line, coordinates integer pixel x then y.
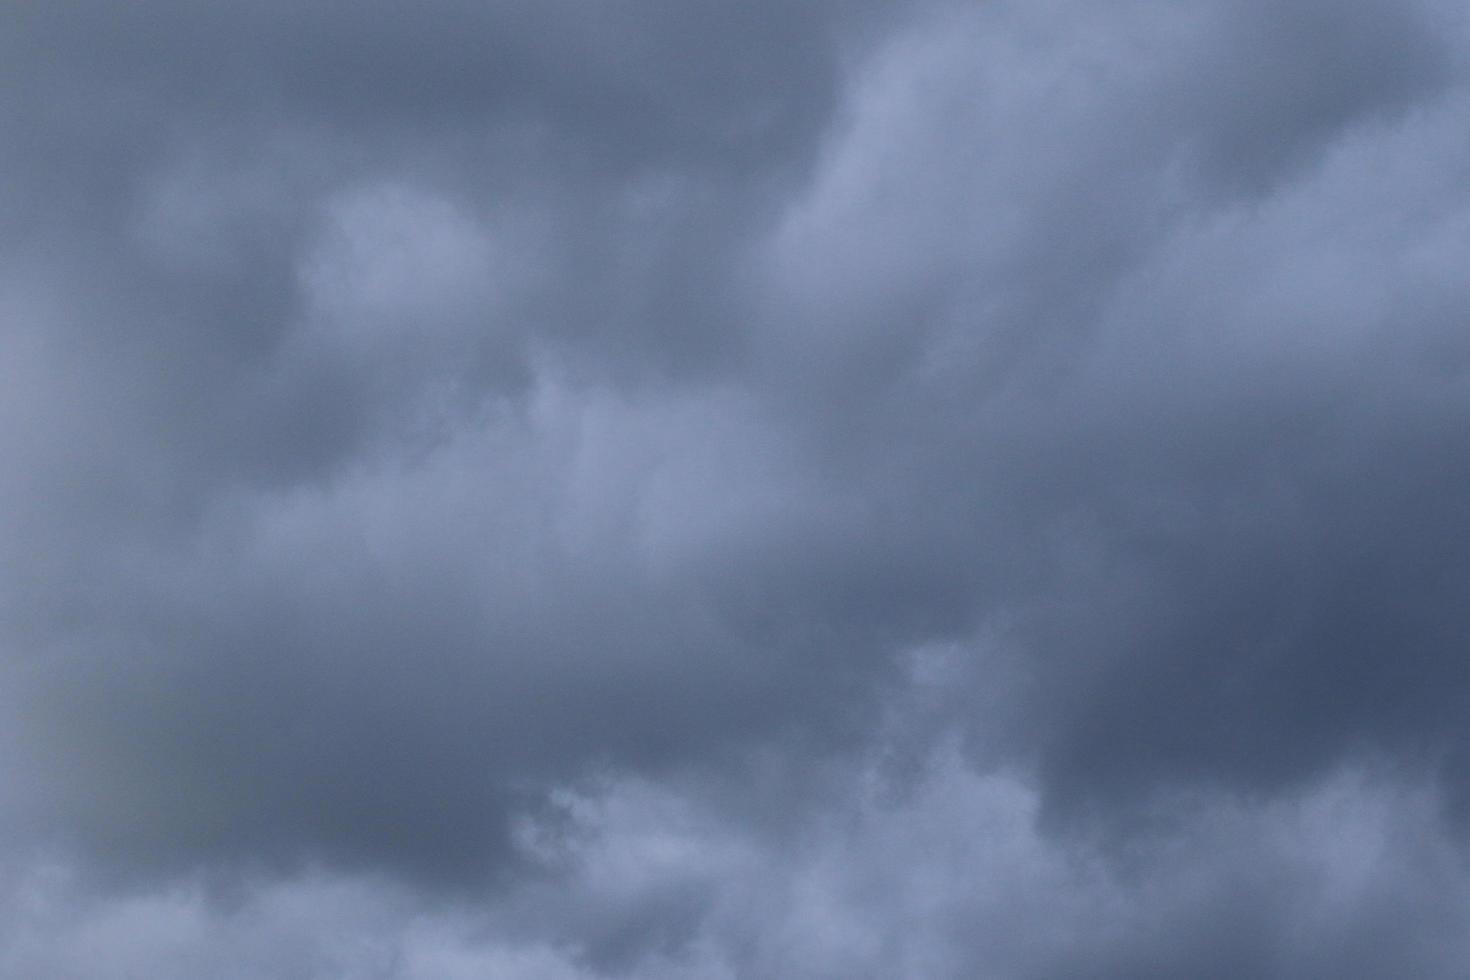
{"type": "Point", "coordinates": [722, 490]}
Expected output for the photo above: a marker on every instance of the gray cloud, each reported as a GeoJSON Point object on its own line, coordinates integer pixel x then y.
{"type": "Point", "coordinates": [643, 488]}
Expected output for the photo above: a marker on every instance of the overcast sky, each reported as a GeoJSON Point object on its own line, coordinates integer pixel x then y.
{"type": "Point", "coordinates": [852, 489]}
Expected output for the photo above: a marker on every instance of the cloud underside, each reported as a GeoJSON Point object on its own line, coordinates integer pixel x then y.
{"type": "Point", "coordinates": [709, 489]}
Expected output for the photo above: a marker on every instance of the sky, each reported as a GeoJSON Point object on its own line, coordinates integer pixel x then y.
{"type": "Point", "coordinates": [714, 490]}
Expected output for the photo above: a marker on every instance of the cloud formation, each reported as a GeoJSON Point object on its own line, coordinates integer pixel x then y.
{"type": "Point", "coordinates": [719, 490]}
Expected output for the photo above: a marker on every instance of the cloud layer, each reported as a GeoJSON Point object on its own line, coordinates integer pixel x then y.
{"type": "Point", "coordinates": [719, 490]}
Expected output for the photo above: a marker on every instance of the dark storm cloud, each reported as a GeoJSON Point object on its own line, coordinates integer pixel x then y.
{"type": "Point", "coordinates": [591, 447]}
{"type": "Point", "coordinates": [289, 473]}
{"type": "Point", "coordinates": [1206, 484]}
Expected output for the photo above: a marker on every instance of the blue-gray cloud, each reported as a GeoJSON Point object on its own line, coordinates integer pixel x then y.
{"type": "Point", "coordinates": [463, 454]}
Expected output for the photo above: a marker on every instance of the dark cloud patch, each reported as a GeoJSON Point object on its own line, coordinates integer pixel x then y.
{"type": "Point", "coordinates": [1298, 76]}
